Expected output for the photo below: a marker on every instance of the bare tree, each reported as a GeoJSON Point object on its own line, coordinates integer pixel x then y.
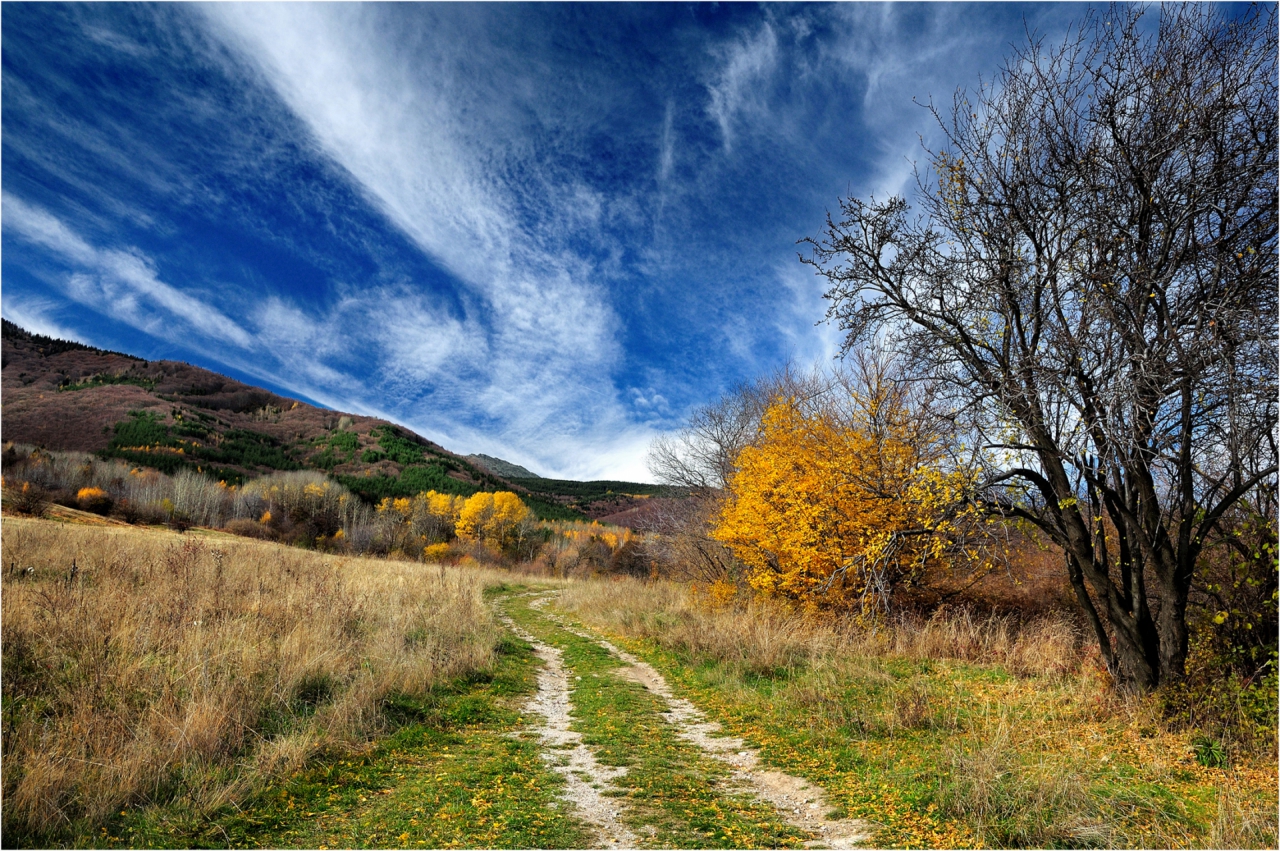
{"type": "Point", "coordinates": [702, 455]}
{"type": "Point", "coordinates": [1092, 279]}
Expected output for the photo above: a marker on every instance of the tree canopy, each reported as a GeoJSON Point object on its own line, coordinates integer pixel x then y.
{"type": "Point", "coordinates": [841, 497]}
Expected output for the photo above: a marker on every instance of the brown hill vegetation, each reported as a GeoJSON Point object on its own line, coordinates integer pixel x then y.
{"type": "Point", "coordinates": [67, 396]}
{"type": "Point", "coordinates": [64, 395]}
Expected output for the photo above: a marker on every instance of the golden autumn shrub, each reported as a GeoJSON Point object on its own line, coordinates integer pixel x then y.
{"type": "Point", "coordinates": [435, 515]}
{"type": "Point", "coordinates": [497, 518]}
{"type": "Point", "coordinates": [834, 508]}
{"type": "Point", "coordinates": [94, 499]}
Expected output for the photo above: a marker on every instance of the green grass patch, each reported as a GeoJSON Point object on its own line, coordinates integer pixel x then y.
{"type": "Point", "coordinates": [450, 776]}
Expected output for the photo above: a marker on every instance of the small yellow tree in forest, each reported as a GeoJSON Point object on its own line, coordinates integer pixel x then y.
{"type": "Point", "coordinates": [435, 515]}
{"type": "Point", "coordinates": [835, 507]}
{"type": "Point", "coordinates": [498, 518]}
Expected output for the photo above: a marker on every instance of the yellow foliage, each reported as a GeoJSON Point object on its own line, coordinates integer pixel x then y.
{"type": "Point", "coordinates": [399, 505]}
{"type": "Point", "coordinates": [435, 552]}
{"type": "Point", "coordinates": [835, 511]}
{"type": "Point", "coordinates": [492, 517]}
{"type": "Point", "coordinates": [443, 505]}
{"type": "Point", "coordinates": [720, 594]}
{"type": "Point", "coordinates": [474, 515]}
{"type": "Point", "coordinates": [90, 493]}
{"type": "Point", "coordinates": [508, 510]}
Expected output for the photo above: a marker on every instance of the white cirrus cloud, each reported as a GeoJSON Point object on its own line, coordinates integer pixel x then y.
{"type": "Point", "coordinates": [449, 165]}
{"type": "Point", "coordinates": [121, 283]}
{"type": "Point", "coordinates": [745, 66]}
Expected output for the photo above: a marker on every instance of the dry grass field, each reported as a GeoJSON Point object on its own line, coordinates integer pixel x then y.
{"type": "Point", "coordinates": [144, 665]}
{"type": "Point", "coordinates": [953, 730]}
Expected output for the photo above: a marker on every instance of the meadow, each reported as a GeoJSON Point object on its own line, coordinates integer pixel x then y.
{"type": "Point", "coordinates": [175, 690]}
{"type": "Point", "coordinates": [144, 666]}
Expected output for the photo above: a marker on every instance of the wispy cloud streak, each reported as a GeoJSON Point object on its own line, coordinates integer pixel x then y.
{"type": "Point", "coordinates": [398, 118]}
{"type": "Point", "coordinates": [121, 283]}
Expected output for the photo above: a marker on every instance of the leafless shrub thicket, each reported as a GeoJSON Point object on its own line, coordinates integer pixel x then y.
{"type": "Point", "coordinates": [303, 506]}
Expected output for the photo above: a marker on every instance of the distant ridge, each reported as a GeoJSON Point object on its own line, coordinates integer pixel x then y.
{"type": "Point", "coordinates": [48, 346]}
{"type": "Point", "coordinates": [505, 469]}
{"type": "Point", "coordinates": [168, 415]}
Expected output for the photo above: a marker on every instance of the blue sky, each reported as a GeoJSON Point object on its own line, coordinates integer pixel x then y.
{"type": "Point", "coordinates": [543, 232]}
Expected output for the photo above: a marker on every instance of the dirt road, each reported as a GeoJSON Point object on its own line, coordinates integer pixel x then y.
{"type": "Point", "coordinates": [590, 690]}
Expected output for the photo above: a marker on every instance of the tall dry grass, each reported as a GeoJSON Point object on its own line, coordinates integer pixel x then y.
{"type": "Point", "coordinates": [165, 665]}
{"type": "Point", "coordinates": [1033, 760]}
{"type": "Point", "coordinates": [761, 635]}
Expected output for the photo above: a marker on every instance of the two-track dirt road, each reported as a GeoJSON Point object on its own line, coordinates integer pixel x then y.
{"type": "Point", "coordinates": [601, 787]}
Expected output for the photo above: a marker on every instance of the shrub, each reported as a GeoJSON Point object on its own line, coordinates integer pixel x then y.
{"type": "Point", "coordinates": [632, 559]}
{"type": "Point", "coordinates": [26, 498]}
{"type": "Point", "coordinates": [95, 500]}
{"type": "Point", "coordinates": [249, 528]}
{"type": "Point", "coordinates": [436, 552]}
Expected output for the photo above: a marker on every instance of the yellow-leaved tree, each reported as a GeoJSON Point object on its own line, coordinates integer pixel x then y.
{"type": "Point", "coordinates": [839, 501]}
{"type": "Point", "coordinates": [498, 518]}
{"type": "Point", "coordinates": [435, 515]}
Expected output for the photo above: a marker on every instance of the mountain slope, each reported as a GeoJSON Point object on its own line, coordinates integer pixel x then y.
{"type": "Point", "coordinates": [502, 468]}
{"type": "Point", "coordinates": [171, 415]}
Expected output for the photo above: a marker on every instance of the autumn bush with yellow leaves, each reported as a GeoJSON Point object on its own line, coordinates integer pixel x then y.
{"type": "Point", "coordinates": [425, 524]}
{"type": "Point", "coordinates": [576, 548]}
{"type": "Point", "coordinates": [841, 499]}
{"type": "Point", "coordinates": [498, 527]}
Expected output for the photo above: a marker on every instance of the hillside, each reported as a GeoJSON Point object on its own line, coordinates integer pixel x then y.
{"type": "Point", "coordinates": [171, 415]}
{"type": "Point", "coordinates": [620, 503]}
